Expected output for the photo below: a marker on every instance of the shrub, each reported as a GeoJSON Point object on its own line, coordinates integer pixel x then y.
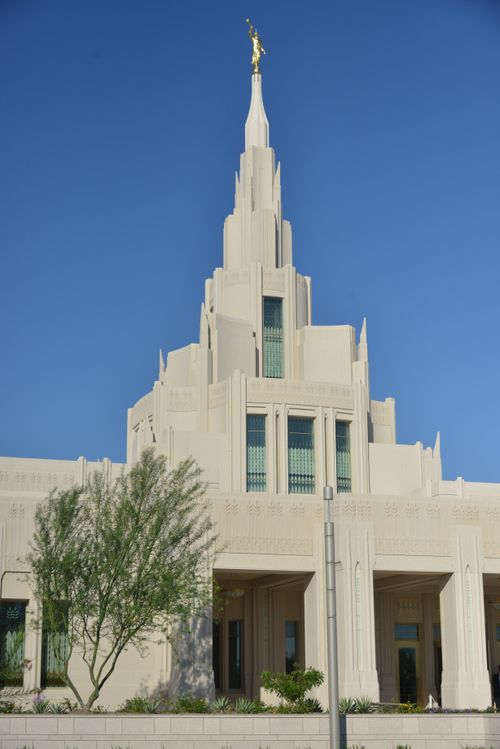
{"type": "Point", "coordinates": [189, 704]}
{"type": "Point", "coordinates": [8, 707]}
{"type": "Point", "coordinates": [292, 687]}
{"type": "Point", "coordinates": [409, 707]}
{"type": "Point", "coordinates": [140, 705]}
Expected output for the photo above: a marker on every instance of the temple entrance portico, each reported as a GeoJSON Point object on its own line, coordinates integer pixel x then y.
{"type": "Point", "coordinates": [491, 585]}
{"type": "Point", "coordinates": [433, 634]}
{"type": "Point", "coordinates": [263, 619]}
{"type": "Point", "coordinates": [408, 636]}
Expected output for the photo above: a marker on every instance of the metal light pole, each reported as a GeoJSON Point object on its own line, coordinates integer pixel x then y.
{"type": "Point", "coordinates": [331, 620]}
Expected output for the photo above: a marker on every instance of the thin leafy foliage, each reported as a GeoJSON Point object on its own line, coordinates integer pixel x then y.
{"type": "Point", "coordinates": [115, 563]}
{"type": "Point", "coordinates": [292, 687]}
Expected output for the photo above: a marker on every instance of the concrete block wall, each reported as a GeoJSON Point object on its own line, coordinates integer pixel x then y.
{"type": "Point", "coordinates": [245, 732]}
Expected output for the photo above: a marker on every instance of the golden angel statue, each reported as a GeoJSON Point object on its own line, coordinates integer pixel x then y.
{"type": "Point", "coordinates": [257, 46]}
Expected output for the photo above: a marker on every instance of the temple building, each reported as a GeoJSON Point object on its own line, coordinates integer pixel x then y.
{"type": "Point", "coordinates": [273, 408]}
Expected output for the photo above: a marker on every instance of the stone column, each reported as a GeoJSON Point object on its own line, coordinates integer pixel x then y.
{"type": "Point", "coordinates": [261, 637]}
{"type": "Point", "coordinates": [465, 681]}
{"type": "Point", "coordinates": [389, 689]}
{"type": "Point", "coordinates": [315, 616]}
{"type": "Point", "coordinates": [357, 664]}
{"type": "Point", "coordinates": [428, 606]}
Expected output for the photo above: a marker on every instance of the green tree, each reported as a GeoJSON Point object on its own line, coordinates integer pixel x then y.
{"type": "Point", "coordinates": [112, 564]}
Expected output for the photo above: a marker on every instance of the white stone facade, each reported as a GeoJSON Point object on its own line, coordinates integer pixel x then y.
{"type": "Point", "coordinates": [418, 558]}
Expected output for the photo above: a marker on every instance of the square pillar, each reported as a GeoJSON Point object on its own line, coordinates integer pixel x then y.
{"type": "Point", "coordinates": [465, 681]}
{"type": "Point", "coordinates": [387, 670]}
{"type": "Point", "coordinates": [357, 661]}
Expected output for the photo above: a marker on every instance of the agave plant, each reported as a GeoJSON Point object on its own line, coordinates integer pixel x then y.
{"type": "Point", "coordinates": [245, 705]}
{"type": "Point", "coordinates": [346, 705]}
{"type": "Point", "coordinates": [221, 705]}
{"type": "Point", "coordinates": [363, 705]}
{"type": "Point", "coordinates": [40, 706]}
{"type": "Point", "coordinates": [58, 708]}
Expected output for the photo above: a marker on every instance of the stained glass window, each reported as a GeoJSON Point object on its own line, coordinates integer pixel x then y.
{"type": "Point", "coordinates": [343, 444]}
{"type": "Point", "coordinates": [300, 455]}
{"type": "Point", "coordinates": [273, 337]}
{"type": "Point", "coordinates": [256, 453]}
{"type": "Point", "coordinates": [12, 635]}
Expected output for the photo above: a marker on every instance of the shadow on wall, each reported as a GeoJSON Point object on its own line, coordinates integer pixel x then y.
{"type": "Point", "coordinates": [192, 669]}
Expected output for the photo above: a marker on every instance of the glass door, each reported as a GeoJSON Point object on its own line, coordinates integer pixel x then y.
{"type": "Point", "coordinates": [408, 660]}
{"type": "Point", "coordinates": [407, 663]}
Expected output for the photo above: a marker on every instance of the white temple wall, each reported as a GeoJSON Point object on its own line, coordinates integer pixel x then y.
{"type": "Point", "coordinates": [382, 421]}
{"type": "Point", "coordinates": [326, 354]}
{"type": "Point", "coordinates": [395, 469]}
{"type": "Point", "coordinates": [235, 346]}
{"type": "Point", "coordinates": [181, 367]}
{"type": "Point", "coordinates": [208, 450]}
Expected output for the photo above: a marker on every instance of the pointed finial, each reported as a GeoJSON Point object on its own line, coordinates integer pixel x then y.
{"type": "Point", "coordinates": [257, 46]}
{"type": "Point", "coordinates": [162, 364]}
{"type": "Point", "coordinates": [362, 336]}
{"type": "Point", "coordinates": [437, 446]}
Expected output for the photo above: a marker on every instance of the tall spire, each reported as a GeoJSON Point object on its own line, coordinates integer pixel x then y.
{"type": "Point", "coordinates": [256, 126]}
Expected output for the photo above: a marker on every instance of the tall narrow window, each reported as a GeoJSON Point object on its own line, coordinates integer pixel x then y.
{"type": "Point", "coordinates": [54, 648]}
{"type": "Point", "coordinates": [217, 627]}
{"type": "Point", "coordinates": [300, 455]}
{"type": "Point", "coordinates": [12, 634]}
{"type": "Point", "coordinates": [343, 444]}
{"type": "Point", "coordinates": [235, 653]}
{"type": "Point", "coordinates": [256, 453]}
{"type": "Point", "coordinates": [273, 337]}
{"type": "Point", "coordinates": [291, 645]}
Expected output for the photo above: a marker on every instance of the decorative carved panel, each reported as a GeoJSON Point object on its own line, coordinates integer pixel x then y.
{"type": "Point", "coordinates": [465, 512]}
{"type": "Point", "coordinates": [231, 277]}
{"type": "Point", "coordinates": [299, 393]}
{"type": "Point", "coordinates": [409, 545]}
{"type": "Point", "coordinates": [408, 608]}
{"type": "Point", "coordinates": [274, 545]}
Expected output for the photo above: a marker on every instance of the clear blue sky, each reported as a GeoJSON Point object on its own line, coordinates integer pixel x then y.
{"type": "Point", "coordinates": [120, 130]}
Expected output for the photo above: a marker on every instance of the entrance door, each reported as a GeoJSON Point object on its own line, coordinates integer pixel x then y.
{"type": "Point", "coordinates": [408, 660]}
{"type": "Point", "coordinates": [228, 643]}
